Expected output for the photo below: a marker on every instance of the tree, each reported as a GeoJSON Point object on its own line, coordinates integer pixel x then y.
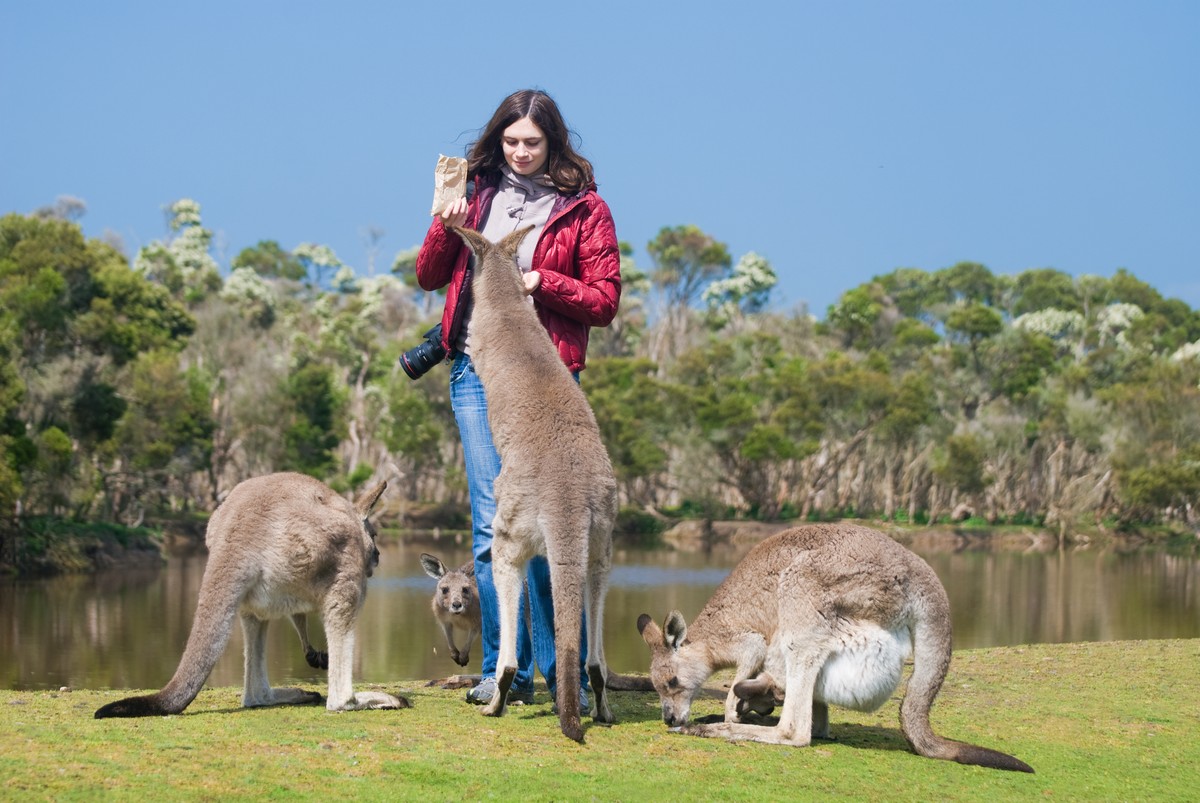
{"type": "Point", "coordinates": [969, 282]}
{"type": "Point", "coordinates": [314, 426]}
{"type": "Point", "coordinates": [633, 413]}
{"type": "Point", "coordinates": [685, 260]}
{"type": "Point", "coordinates": [270, 261]}
{"type": "Point", "coordinates": [974, 323]}
{"type": "Point", "coordinates": [318, 261]}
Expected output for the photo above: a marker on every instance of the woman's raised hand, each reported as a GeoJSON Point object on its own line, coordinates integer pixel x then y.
{"type": "Point", "coordinates": [455, 214]}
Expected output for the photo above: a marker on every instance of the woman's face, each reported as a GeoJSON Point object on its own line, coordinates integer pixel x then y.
{"type": "Point", "coordinates": [525, 147]}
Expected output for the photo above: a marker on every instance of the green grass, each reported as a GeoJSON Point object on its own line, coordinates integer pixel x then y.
{"type": "Point", "coordinates": [1110, 721]}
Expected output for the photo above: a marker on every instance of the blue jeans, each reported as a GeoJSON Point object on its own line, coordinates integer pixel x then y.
{"type": "Point", "coordinates": [483, 466]}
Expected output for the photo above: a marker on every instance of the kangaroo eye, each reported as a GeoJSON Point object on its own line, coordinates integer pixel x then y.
{"type": "Point", "coordinates": [445, 589]}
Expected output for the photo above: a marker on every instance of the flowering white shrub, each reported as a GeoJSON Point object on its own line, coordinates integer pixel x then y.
{"type": "Point", "coordinates": [1115, 319]}
{"type": "Point", "coordinates": [248, 290]}
{"type": "Point", "coordinates": [1055, 324]}
{"type": "Point", "coordinates": [1188, 351]}
{"type": "Point", "coordinates": [184, 264]}
{"type": "Point", "coordinates": [747, 288]}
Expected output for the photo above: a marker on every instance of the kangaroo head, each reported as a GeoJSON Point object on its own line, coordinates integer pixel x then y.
{"type": "Point", "coordinates": [455, 589]}
{"type": "Point", "coordinates": [489, 255]}
{"type": "Point", "coordinates": [677, 667]}
{"type": "Point", "coordinates": [364, 506]}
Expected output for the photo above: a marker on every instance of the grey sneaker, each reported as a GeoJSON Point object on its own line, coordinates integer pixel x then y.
{"type": "Point", "coordinates": [483, 693]}
{"type": "Point", "coordinates": [585, 707]}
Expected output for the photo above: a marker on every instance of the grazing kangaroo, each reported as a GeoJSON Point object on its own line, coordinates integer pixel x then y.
{"type": "Point", "coordinates": [833, 610]}
{"type": "Point", "coordinates": [279, 545]}
{"type": "Point", "coordinates": [455, 603]}
{"type": "Point", "coordinates": [556, 494]}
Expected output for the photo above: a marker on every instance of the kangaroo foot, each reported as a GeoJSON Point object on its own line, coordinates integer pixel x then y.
{"type": "Point", "coordinates": [499, 703]}
{"type": "Point", "coordinates": [374, 700]}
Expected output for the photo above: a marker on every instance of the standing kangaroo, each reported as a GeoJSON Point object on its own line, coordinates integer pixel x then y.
{"type": "Point", "coordinates": [833, 610]}
{"type": "Point", "coordinates": [455, 603]}
{"type": "Point", "coordinates": [556, 494]}
{"type": "Point", "coordinates": [279, 545]}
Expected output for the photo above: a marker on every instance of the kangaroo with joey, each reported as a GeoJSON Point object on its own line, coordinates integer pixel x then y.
{"type": "Point", "coordinates": [455, 603]}
{"type": "Point", "coordinates": [556, 494]}
{"type": "Point", "coordinates": [279, 545]}
{"type": "Point", "coordinates": [831, 612]}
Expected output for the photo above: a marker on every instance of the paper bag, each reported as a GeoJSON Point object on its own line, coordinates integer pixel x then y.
{"type": "Point", "coordinates": [449, 182]}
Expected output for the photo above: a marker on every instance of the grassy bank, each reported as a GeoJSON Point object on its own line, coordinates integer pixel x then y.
{"type": "Point", "coordinates": [46, 545]}
{"type": "Point", "coordinates": [1111, 721]}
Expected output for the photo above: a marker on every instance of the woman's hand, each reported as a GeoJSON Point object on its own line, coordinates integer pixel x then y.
{"type": "Point", "coordinates": [533, 280]}
{"type": "Point", "coordinates": [455, 214]}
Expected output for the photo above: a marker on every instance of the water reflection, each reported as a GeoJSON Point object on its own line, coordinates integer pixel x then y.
{"type": "Point", "coordinates": [127, 629]}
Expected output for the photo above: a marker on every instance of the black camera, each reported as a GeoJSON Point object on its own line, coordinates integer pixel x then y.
{"type": "Point", "coordinates": [419, 359]}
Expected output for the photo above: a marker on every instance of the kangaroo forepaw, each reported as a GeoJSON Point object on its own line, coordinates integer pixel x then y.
{"type": "Point", "coordinates": [317, 660]}
{"type": "Point", "coordinates": [460, 658]}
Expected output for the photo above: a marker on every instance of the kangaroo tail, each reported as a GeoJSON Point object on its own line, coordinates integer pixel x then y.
{"type": "Point", "coordinates": [931, 660]}
{"type": "Point", "coordinates": [211, 629]}
{"type": "Point", "coordinates": [567, 578]}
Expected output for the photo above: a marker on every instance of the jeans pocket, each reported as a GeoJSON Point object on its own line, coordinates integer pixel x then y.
{"type": "Point", "coordinates": [459, 368]}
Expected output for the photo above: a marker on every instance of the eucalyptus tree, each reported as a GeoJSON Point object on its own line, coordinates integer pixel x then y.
{"type": "Point", "coordinates": [633, 410]}
{"type": "Point", "coordinates": [270, 260]}
{"type": "Point", "coordinates": [755, 416]}
{"type": "Point", "coordinates": [685, 261]}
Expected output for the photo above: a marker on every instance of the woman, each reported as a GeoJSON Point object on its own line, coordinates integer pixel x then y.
{"type": "Point", "coordinates": [524, 172]}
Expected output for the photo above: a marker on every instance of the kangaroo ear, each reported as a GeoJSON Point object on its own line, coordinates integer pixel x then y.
{"type": "Point", "coordinates": [432, 566]}
{"type": "Point", "coordinates": [675, 630]}
{"type": "Point", "coordinates": [650, 632]}
{"type": "Point", "coordinates": [366, 504]}
{"type": "Point", "coordinates": [468, 568]}
{"type": "Point", "coordinates": [474, 240]}
{"type": "Point", "coordinates": [512, 242]}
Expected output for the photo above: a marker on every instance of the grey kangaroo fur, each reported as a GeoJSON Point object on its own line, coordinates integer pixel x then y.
{"type": "Point", "coordinates": [556, 494]}
{"type": "Point", "coordinates": [833, 610]}
{"type": "Point", "coordinates": [279, 545]}
{"type": "Point", "coordinates": [455, 603]}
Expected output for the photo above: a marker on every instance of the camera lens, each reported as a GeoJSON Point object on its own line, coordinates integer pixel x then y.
{"type": "Point", "coordinates": [417, 361]}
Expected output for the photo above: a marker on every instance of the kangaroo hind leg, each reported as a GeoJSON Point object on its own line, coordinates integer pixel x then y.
{"type": "Point", "coordinates": [257, 689]}
{"type": "Point", "coordinates": [599, 564]}
{"type": "Point", "coordinates": [339, 636]}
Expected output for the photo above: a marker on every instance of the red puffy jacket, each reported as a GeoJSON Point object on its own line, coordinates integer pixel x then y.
{"type": "Point", "coordinates": [577, 255]}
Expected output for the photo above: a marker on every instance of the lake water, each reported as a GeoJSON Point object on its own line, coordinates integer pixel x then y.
{"type": "Point", "coordinates": [127, 629]}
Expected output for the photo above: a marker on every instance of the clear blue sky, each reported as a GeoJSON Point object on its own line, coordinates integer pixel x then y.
{"type": "Point", "coordinates": [839, 140]}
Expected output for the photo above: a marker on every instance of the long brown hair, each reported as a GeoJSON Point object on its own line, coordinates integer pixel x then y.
{"type": "Point", "coordinates": [569, 171]}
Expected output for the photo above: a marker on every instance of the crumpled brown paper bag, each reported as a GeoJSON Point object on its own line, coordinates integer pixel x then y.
{"type": "Point", "coordinates": [449, 182]}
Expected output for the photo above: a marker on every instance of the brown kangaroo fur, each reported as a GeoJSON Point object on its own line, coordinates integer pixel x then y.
{"type": "Point", "coordinates": [279, 545]}
{"type": "Point", "coordinates": [556, 494]}
{"type": "Point", "coordinates": [833, 610]}
{"type": "Point", "coordinates": [455, 603]}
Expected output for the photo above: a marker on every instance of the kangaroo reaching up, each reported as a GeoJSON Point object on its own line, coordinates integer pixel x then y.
{"type": "Point", "coordinates": [455, 603]}
{"type": "Point", "coordinates": [279, 545]}
{"type": "Point", "coordinates": [832, 611]}
{"type": "Point", "coordinates": [556, 494]}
